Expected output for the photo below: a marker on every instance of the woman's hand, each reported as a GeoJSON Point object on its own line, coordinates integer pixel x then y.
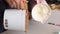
{"type": "Point", "coordinates": [11, 3]}
{"type": "Point", "coordinates": [16, 3]}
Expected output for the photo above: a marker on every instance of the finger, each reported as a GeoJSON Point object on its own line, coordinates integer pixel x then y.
{"type": "Point", "coordinates": [9, 2]}
{"type": "Point", "coordinates": [22, 4]}
{"type": "Point", "coordinates": [18, 4]}
{"type": "Point", "coordinates": [12, 4]}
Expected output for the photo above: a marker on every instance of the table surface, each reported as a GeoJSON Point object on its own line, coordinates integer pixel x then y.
{"type": "Point", "coordinates": [37, 28]}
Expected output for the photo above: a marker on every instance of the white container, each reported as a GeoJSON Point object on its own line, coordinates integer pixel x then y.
{"type": "Point", "coordinates": [14, 19]}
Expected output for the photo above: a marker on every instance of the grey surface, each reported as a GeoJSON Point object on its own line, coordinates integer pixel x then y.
{"type": "Point", "coordinates": [55, 17]}
{"type": "Point", "coordinates": [37, 28]}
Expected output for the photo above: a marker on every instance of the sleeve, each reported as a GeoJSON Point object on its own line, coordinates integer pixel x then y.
{"type": "Point", "coordinates": [2, 8]}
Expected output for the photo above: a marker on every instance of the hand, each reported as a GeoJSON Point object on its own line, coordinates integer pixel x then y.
{"type": "Point", "coordinates": [20, 3]}
{"type": "Point", "coordinates": [11, 3]}
{"type": "Point", "coordinates": [16, 3]}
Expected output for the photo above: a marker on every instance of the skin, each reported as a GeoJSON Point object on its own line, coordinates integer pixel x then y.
{"type": "Point", "coordinates": [11, 3]}
{"type": "Point", "coordinates": [19, 4]}
{"type": "Point", "coordinates": [16, 3]}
